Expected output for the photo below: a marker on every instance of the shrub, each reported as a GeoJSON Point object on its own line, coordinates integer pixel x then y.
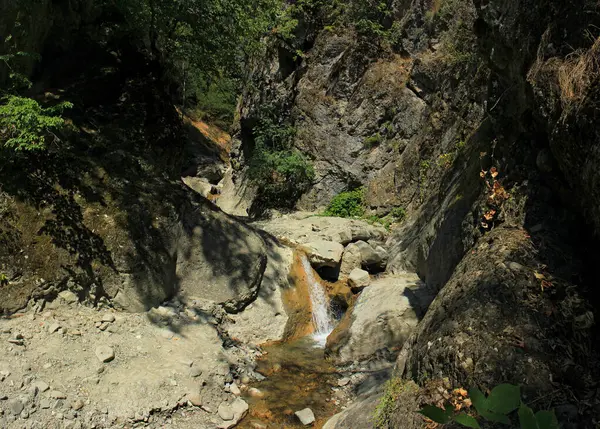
{"type": "Point", "coordinates": [398, 214]}
{"type": "Point", "coordinates": [25, 125]}
{"type": "Point", "coordinates": [372, 141]}
{"type": "Point", "coordinates": [281, 173]}
{"type": "Point", "coordinates": [347, 204]}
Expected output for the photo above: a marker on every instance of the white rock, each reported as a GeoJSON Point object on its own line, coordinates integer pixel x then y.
{"type": "Point", "coordinates": [323, 253]}
{"type": "Point", "coordinates": [105, 353]}
{"type": "Point", "coordinates": [108, 317]}
{"type": "Point", "coordinates": [306, 416]}
{"type": "Point", "coordinates": [53, 328]}
{"type": "Point", "coordinates": [235, 389]}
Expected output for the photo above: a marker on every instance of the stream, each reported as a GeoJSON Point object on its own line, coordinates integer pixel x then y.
{"type": "Point", "coordinates": [298, 375]}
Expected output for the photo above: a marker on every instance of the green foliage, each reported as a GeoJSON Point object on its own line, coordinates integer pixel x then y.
{"type": "Point", "coordinates": [25, 125]}
{"type": "Point", "coordinates": [216, 100]}
{"type": "Point", "coordinates": [3, 279]}
{"type": "Point", "coordinates": [398, 214]}
{"type": "Point", "coordinates": [372, 141]}
{"type": "Point", "coordinates": [347, 204]}
{"type": "Point", "coordinates": [502, 401]}
{"type": "Point", "coordinates": [281, 174]}
{"type": "Point", "coordinates": [369, 18]}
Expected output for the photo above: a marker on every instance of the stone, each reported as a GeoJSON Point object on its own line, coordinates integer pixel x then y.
{"type": "Point", "coordinates": [344, 381]}
{"type": "Point", "coordinates": [103, 326]}
{"type": "Point", "coordinates": [53, 328]}
{"type": "Point", "coordinates": [45, 404]}
{"type": "Point", "coordinates": [68, 296]}
{"type": "Point", "coordinates": [233, 388]}
{"type": "Point", "coordinates": [15, 406]}
{"type": "Point", "coordinates": [195, 372]}
{"type": "Point", "coordinates": [225, 411]}
{"type": "Point", "coordinates": [108, 317]}
{"type": "Point", "coordinates": [256, 393]}
{"type": "Point", "coordinates": [105, 353]}
{"type": "Point", "coordinates": [57, 394]}
{"type": "Point", "coordinates": [195, 399]}
{"type": "Point", "coordinates": [306, 416]}
{"type": "Point", "coordinates": [323, 253]}
{"type": "Point", "coordinates": [358, 280]}
{"type": "Point", "coordinates": [77, 404]}
{"type": "Point", "coordinates": [383, 317]}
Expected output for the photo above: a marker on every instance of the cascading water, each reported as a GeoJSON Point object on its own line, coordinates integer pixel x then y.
{"type": "Point", "coordinates": [321, 313]}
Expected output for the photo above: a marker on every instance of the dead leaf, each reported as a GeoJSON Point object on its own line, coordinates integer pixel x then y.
{"type": "Point", "coordinates": [494, 172]}
{"type": "Point", "coordinates": [482, 174]}
{"type": "Point", "coordinates": [539, 276]}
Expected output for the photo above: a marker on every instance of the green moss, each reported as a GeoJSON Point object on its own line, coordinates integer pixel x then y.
{"type": "Point", "coordinates": [372, 141]}
{"type": "Point", "coordinates": [384, 411]}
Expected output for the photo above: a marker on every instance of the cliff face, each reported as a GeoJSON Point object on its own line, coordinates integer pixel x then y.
{"type": "Point", "coordinates": [457, 88]}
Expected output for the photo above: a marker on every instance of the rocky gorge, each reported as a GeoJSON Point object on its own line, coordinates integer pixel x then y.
{"type": "Point", "coordinates": [150, 279]}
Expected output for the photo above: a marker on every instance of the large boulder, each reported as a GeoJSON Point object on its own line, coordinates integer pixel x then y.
{"type": "Point", "coordinates": [384, 316]}
{"type": "Point", "coordinates": [219, 258]}
{"type": "Point", "coordinates": [323, 253]}
{"type": "Point", "coordinates": [358, 279]}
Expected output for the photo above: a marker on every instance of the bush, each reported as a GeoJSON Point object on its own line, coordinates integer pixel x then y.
{"type": "Point", "coordinates": [372, 141]}
{"type": "Point", "coordinates": [25, 125]}
{"type": "Point", "coordinates": [281, 176]}
{"type": "Point", "coordinates": [347, 204]}
{"type": "Point", "coordinates": [281, 173]}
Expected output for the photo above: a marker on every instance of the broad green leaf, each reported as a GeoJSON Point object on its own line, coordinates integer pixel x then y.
{"type": "Point", "coordinates": [494, 417]}
{"type": "Point", "coordinates": [527, 418]}
{"type": "Point", "coordinates": [546, 420]}
{"type": "Point", "coordinates": [478, 399]}
{"type": "Point", "coordinates": [467, 421]}
{"type": "Point", "coordinates": [504, 398]}
{"type": "Point", "coordinates": [436, 414]}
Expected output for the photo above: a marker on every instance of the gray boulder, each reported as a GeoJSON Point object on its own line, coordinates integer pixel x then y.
{"type": "Point", "coordinates": [384, 315]}
{"type": "Point", "coordinates": [372, 256]}
{"type": "Point", "coordinates": [351, 259]}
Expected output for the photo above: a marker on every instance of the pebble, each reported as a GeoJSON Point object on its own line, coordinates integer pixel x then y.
{"type": "Point", "coordinates": [195, 372]}
{"type": "Point", "coordinates": [53, 328]}
{"type": "Point", "coordinates": [41, 385]}
{"type": "Point", "coordinates": [57, 394]}
{"type": "Point", "coordinates": [195, 399]}
{"type": "Point", "coordinates": [343, 381]}
{"type": "Point", "coordinates": [68, 296]}
{"type": "Point", "coordinates": [235, 389]}
{"type": "Point", "coordinates": [108, 318]}
{"type": "Point", "coordinates": [105, 353]}
{"type": "Point", "coordinates": [103, 326]}
{"type": "Point", "coordinates": [77, 404]}
{"type": "Point", "coordinates": [15, 406]}
{"type": "Point", "coordinates": [44, 404]}
{"type": "Point", "coordinates": [256, 393]}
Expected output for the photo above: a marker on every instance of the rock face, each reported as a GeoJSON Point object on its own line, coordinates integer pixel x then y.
{"type": "Point", "coordinates": [384, 316]}
{"type": "Point", "coordinates": [323, 253]}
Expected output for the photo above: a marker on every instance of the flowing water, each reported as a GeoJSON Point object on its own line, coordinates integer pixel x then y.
{"type": "Point", "coordinates": [297, 373]}
{"type": "Point", "coordinates": [321, 313]}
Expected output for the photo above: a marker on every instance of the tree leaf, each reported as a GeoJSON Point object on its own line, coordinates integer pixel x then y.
{"type": "Point", "coordinates": [504, 398]}
{"type": "Point", "coordinates": [467, 421]}
{"type": "Point", "coordinates": [478, 399]}
{"type": "Point", "coordinates": [436, 414]}
{"type": "Point", "coordinates": [494, 417]}
{"type": "Point", "coordinates": [546, 420]}
{"type": "Point", "coordinates": [527, 418]}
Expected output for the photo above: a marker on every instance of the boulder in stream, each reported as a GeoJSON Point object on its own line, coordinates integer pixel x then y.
{"type": "Point", "coordinates": [306, 416]}
{"type": "Point", "coordinates": [323, 253]}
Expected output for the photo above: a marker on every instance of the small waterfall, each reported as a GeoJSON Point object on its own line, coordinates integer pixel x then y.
{"type": "Point", "coordinates": [321, 314]}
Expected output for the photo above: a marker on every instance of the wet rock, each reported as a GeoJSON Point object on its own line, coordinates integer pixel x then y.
{"type": "Point", "coordinates": [343, 381]}
{"type": "Point", "coordinates": [105, 353]}
{"type": "Point", "coordinates": [256, 393]}
{"type": "Point", "coordinates": [358, 280]}
{"type": "Point", "coordinates": [323, 253]}
{"type": "Point", "coordinates": [306, 416]}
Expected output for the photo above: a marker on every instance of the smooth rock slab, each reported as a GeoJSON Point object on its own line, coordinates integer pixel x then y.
{"type": "Point", "coordinates": [306, 416]}
{"type": "Point", "coordinates": [105, 353]}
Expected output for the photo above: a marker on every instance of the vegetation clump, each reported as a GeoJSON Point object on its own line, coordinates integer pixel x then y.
{"type": "Point", "coordinates": [347, 204]}
{"type": "Point", "coordinates": [281, 173]}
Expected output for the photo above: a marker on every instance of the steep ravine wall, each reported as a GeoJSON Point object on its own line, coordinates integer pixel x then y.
{"type": "Point", "coordinates": [465, 86]}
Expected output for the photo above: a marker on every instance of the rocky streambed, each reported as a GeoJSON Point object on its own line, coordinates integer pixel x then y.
{"type": "Point", "coordinates": [191, 363]}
